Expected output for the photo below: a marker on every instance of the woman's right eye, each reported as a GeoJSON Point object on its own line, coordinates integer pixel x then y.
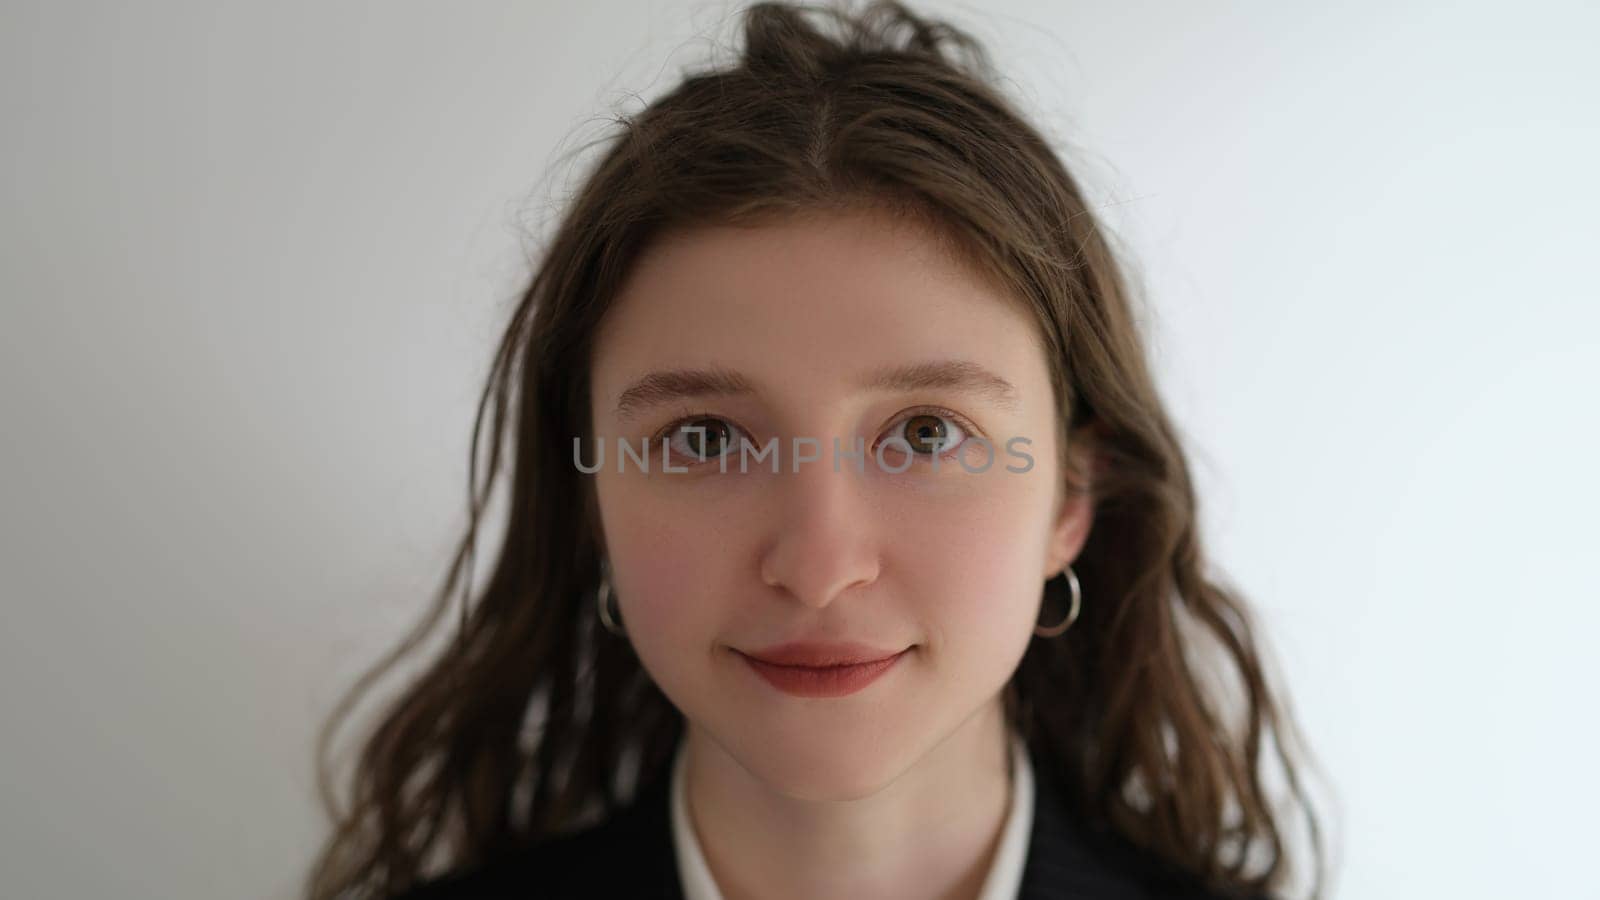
{"type": "Point", "coordinates": [702, 438]}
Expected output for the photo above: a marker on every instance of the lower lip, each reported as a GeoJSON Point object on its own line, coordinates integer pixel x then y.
{"type": "Point", "coordinates": [829, 681]}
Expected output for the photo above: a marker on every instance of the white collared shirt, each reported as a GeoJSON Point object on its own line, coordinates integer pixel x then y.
{"type": "Point", "coordinates": [1005, 873]}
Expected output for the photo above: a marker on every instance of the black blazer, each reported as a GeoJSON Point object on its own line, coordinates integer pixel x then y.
{"type": "Point", "coordinates": [630, 855]}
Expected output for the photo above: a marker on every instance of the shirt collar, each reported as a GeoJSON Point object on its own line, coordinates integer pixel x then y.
{"type": "Point", "coordinates": [1005, 873]}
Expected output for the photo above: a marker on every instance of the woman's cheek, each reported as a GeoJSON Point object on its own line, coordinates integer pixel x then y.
{"type": "Point", "coordinates": [660, 580]}
{"type": "Point", "coordinates": [662, 617]}
{"type": "Point", "coordinates": [975, 564]}
{"type": "Point", "coordinates": [654, 545]}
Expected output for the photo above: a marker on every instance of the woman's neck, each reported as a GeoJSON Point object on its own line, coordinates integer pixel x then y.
{"type": "Point", "coordinates": [931, 832]}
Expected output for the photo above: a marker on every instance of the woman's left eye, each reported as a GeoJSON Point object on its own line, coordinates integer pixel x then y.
{"type": "Point", "coordinates": [930, 432]}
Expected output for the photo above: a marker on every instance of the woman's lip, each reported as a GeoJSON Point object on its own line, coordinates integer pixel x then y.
{"type": "Point", "coordinates": [823, 681]}
{"type": "Point", "coordinates": [818, 654]}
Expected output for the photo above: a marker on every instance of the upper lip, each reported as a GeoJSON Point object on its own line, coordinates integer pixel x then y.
{"type": "Point", "coordinates": [816, 654]}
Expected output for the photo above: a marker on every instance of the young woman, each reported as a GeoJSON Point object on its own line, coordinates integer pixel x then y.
{"type": "Point", "coordinates": [850, 550]}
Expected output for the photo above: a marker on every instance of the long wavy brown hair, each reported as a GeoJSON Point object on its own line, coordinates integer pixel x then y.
{"type": "Point", "coordinates": [1153, 713]}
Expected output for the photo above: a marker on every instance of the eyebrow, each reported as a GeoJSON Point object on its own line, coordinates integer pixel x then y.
{"type": "Point", "coordinates": [661, 387]}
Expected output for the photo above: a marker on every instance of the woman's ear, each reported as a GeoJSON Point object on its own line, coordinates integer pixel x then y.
{"type": "Point", "coordinates": [1075, 507]}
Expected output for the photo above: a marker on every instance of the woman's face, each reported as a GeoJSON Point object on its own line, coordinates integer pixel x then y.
{"type": "Point", "coordinates": [801, 319]}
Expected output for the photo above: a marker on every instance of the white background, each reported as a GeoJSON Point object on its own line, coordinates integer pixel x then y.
{"type": "Point", "coordinates": [255, 258]}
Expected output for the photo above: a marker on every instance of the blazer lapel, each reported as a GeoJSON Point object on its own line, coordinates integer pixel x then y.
{"type": "Point", "coordinates": [638, 858]}
{"type": "Point", "coordinates": [1062, 863]}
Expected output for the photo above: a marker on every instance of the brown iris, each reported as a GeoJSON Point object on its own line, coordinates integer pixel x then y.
{"type": "Point", "coordinates": [701, 443]}
{"type": "Point", "coordinates": [925, 434]}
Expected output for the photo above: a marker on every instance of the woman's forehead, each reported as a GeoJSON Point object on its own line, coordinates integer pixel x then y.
{"type": "Point", "coordinates": [828, 300]}
{"type": "Point", "coordinates": [847, 253]}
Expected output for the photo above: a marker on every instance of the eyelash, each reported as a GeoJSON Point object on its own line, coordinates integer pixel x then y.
{"type": "Point", "coordinates": [961, 422]}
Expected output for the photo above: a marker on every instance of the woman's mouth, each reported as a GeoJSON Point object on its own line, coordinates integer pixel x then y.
{"type": "Point", "coordinates": [833, 670]}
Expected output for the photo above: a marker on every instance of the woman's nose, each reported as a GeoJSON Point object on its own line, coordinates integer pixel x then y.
{"type": "Point", "coordinates": [824, 538]}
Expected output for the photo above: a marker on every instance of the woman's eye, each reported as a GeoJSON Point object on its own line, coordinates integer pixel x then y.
{"type": "Point", "coordinates": [701, 438]}
{"type": "Point", "coordinates": [930, 434]}
{"type": "Point", "coordinates": [927, 434]}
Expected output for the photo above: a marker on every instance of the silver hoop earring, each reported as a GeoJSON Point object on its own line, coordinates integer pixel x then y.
{"type": "Point", "coordinates": [602, 599]}
{"type": "Point", "coordinates": [1072, 614]}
